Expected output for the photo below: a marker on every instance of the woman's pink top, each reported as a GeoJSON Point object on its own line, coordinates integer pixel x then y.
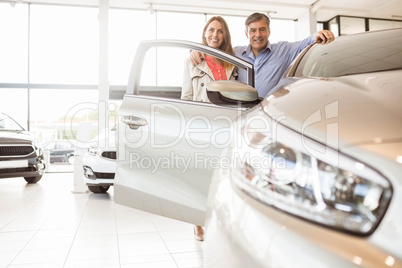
{"type": "Point", "coordinates": [217, 69]}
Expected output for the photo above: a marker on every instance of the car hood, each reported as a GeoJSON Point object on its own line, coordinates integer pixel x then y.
{"type": "Point", "coordinates": [358, 110]}
{"type": "Point", "coordinates": [9, 137]}
{"type": "Point", "coordinates": [105, 140]}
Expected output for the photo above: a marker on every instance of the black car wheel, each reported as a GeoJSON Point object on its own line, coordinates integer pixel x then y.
{"type": "Point", "coordinates": [98, 189]}
{"type": "Point", "coordinates": [33, 179]}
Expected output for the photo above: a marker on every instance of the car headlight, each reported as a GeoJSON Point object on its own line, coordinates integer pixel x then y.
{"type": "Point", "coordinates": [348, 195]}
{"type": "Point", "coordinates": [93, 149]}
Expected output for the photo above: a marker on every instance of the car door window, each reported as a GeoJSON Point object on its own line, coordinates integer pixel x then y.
{"type": "Point", "coordinates": [162, 72]}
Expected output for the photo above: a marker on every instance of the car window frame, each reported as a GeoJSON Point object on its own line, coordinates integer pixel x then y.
{"type": "Point", "coordinates": [133, 85]}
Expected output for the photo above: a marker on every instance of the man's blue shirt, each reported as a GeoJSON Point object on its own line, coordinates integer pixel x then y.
{"type": "Point", "coordinates": [271, 63]}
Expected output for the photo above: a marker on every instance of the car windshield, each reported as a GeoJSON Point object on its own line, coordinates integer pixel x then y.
{"type": "Point", "coordinates": [6, 123]}
{"type": "Point", "coordinates": [355, 54]}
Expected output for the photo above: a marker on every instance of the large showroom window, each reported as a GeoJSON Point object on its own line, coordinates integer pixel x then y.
{"type": "Point", "coordinates": [376, 24]}
{"type": "Point", "coordinates": [14, 61]}
{"type": "Point", "coordinates": [13, 47]}
{"type": "Point", "coordinates": [46, 61]}
{"type": "Point", "coordinates": [170, 26]}
{"type": "Point", "coordinates": [352, 25]}
{"type": "Point", "coordinates": [63, 45]}
{"type": "Point", "coordinates": [282, 30]}
{"type": "Point", "coordinates": [14, 103]}
{"type": "Point", "coordinates": [63, 110]}
{"type": "Point", "coordinates": [343, 25]}
{"type": "Point", "coordinates": [184, 26]}
{"type": "Point", "coordinates": [126, 29]}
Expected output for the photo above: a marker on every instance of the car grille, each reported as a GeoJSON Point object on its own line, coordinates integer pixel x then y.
{"type": "Point", "coordinates": [16, 150]}
{"type": "Point", "coordinates": [103, 175]}
{"type": "Point", "coordinates": [17, 170]}
{"type": "Point", "coordinates": [109, 155]}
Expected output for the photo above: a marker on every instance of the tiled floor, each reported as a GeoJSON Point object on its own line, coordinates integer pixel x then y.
{"type": "Point", "coordinates": [47, 225]}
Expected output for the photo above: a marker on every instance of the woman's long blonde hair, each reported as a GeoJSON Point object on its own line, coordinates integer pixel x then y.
{"type": "Point", "coordinates": [227, 40]}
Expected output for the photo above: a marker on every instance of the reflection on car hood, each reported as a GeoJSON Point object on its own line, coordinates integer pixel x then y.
{"type": "Point", "coordinates": [341, 112]}
{"type": "Point", "coordinates": [9, 137]}
{"type": "Point", "coordinates": [391, 150]}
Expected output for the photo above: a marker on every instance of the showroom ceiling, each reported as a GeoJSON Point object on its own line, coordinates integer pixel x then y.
{"type": "Point", "coordinates": [283, 9]}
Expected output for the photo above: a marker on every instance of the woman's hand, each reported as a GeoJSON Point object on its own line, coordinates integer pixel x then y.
{"type": "Point", "coordinates": [196, 57]}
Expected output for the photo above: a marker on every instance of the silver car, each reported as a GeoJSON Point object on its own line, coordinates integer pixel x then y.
{"type": "Point", "coordinates": [309, 177]}
{"type": "Point", "coordinates": [99, 162]}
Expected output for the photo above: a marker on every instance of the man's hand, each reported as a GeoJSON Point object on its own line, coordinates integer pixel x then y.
{"type": "Point", "coordinates": [196, 57]}
{"type": "Point", "coordinates": [325, 37]}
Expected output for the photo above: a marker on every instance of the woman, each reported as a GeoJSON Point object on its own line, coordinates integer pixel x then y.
{"type": "Point", "coordinates": [215, 34]}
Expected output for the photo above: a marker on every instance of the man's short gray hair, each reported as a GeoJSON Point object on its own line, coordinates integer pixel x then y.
{"type": "Point", "coordinates": [256, 17]}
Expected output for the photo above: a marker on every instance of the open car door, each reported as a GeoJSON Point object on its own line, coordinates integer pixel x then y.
{"type": "Point", "coordinates": [168, 148]}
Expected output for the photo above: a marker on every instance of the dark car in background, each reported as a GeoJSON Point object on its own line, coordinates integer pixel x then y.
{"type": "Point", "coordinates": [60, 151]}
{"type": "Point", "coordinates": [21, 154]}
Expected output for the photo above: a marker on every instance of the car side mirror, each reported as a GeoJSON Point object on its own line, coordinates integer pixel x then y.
{"type": "Point", "coordinates": [231, 91]}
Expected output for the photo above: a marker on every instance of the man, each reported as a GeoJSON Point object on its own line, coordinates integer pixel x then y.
{"type": "Point", "coordinates": [270, 60]}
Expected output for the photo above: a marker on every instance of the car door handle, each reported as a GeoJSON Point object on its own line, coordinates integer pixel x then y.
{"type": "Point", "coordinates": [134, 122]}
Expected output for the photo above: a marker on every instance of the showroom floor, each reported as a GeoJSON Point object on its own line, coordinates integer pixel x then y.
{"type": "Point", "coordinates": [47, 225]}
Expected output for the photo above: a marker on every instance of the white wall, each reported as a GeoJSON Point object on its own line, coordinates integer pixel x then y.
{"type": "Point", "coordinates": [306, 25]}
